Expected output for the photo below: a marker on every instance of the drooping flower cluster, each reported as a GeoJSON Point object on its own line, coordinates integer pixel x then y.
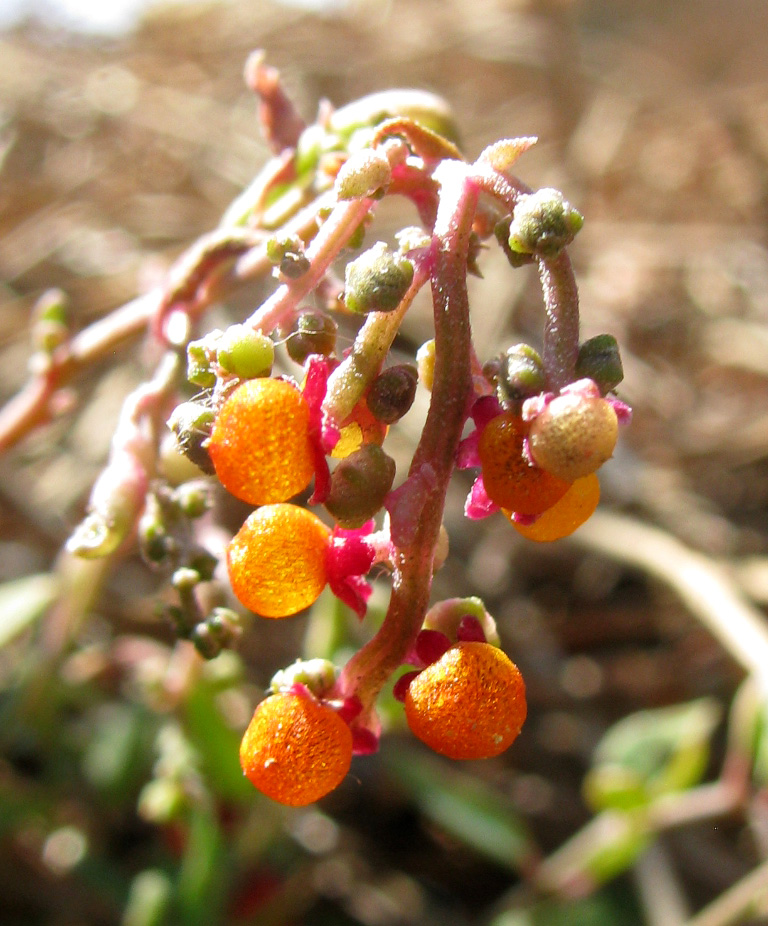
{"type": "Point", "coordinates": [273, 432]}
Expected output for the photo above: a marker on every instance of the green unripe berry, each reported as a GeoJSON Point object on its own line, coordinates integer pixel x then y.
{"type": "Point", "coordinates": [392, 393]}
{"type": "Point", "coordinates": [315, 333]}
{"type": "Point", "coordinates": [377, 280]}
{"type": "Point", "coordinates": [543, 223]}
{"type": "Point", "coordinates": [599, 360]}
{"type": "Point", "coordinates": [245, 353]}
{"type": "Point", "coordinates": [359, 485]}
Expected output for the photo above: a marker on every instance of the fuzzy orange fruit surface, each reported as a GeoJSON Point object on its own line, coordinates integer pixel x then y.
{"type": "Point", "coordinates": [509, 479]}
{"type": "Point", "coordinates": [259, 443]}
{"type": "Point", "coordinates": [565, 516]}
{"type": "Point", "coordinates": [295, 750]}
{"type": "Point", "coordinates": [469, 704]}
{"type": "Point", "coordinates": [277, 560]}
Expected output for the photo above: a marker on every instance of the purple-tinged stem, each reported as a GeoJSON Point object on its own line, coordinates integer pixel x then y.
{"type": "Point", "coordinates": [369, 669]}
{"type": "Point", "coordinates": [561, 328]}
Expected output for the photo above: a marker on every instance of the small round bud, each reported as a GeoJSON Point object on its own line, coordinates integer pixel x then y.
{"type": "Point", "coordinates": [318, 675]}
{"type": "Point", "coordinates": [521, 375]}
{"type": "Point", "coordinates": [199, 366]}
{"type": "Point", "coordinates": [425, 364]}
{"type": "Point", "coordinates": [377, 280]}
{"type": "Point", "coordinates": [599, 360]}
{"type": "Point", "coordinates": [573, 436]}
{"type": "Point", "coordinates": [412, 238]}
{"type": "Point", "coordinates": [50, 326]}
{"type": "Point", "coordinates": [392, 392]}
{"type": "Point", "coordinates": [365, 173]}
{"type": "Point", "coordinates": [185, 579]}
{"type": "Point", "coordinates": [155, 542]}
{"type": "Point", "coordinates": [245, 353]}
{"type": "Point", "coordinates": [543, 223]}
{"type": "Point", "coordinates": [193, 498]}
{"type": "Point", "coordinates": [191, 425]}
{"type": "Point", "coordinates": [314, 333]}
{"type": "Point", "coordinates": [359, 485]}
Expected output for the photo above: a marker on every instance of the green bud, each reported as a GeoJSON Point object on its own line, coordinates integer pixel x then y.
{"type": "Point", "coordinates": [392, 392]}
{"type": "Point", "coordinates": [412, 238]}
{"type": "Point", "coordinates": [364, 173]}
{"type": "Point", "coordinates": [543, 223]}
{"type": "Point", "coordinates": [184, 579]}
{"type": "Point", "coordinates": [520, 375]}
{"type": "Point", "coordinates": [191, 423]}
{"type": "Point", "coordinates": [359, 485]}
{"type": "Point", "coordinates": [220, 629]}
{"type": "Point", "coordinates": [245, 353]}
{"type": "Point", "coordinates": [287, 253]}
{"type": "Point", "coordinates": [377, 280]}
{"type": "Point", "coordinates": [314, 333]}
{"type": "Point", "coordinates": [50, 326]}
{"type": "Point", "coordinates": [193, 498]}
{"type": "Point", "coordinates": [199, 370]}
{"type": "Point", "coordinates": [446, 616]}
{"type": "Point", "coordinates": [599, 360]}
{"type": "Point", "coordinates": [204, 564]}
{"type": "Point", "coordinates": [318, 675]}
{"type": "Point", "coordinates": [155, 542]}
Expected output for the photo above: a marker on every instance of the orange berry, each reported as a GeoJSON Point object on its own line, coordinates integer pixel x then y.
{"type": "Point", "coordinates": [573, 436]}
{"type": "Point", "coordinates": [276, 560]}
{"type": "Point", "coordinates": [260, 443]}
{"type": "Point", "coordinates": [295, 750]}
{"type": "Point", "coordinates": [574, 508]}
{"type": "Point", "coordinates": [469, 704]}
{"type": "Point", "coordinates": [509, 479]}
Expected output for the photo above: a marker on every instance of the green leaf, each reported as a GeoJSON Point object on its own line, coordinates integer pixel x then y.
{"type": "Point", "coordinates": [465, 807]}
{"type": "Point", "coordinates": [23, 601]}
{"type": "Point", "coordinates": [652, 753]}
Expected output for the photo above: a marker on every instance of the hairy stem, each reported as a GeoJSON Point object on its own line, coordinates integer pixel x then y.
{"type": "Point", "coordinates": [561, 329]}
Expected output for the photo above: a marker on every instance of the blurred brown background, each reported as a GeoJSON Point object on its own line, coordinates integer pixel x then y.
{"type": "Point", "coordinates": [653, 120]}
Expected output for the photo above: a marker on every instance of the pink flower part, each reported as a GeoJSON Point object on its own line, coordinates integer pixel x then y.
{"type": "Point", "coordinates": [470, 630]}
{"type": "Point", "coordinates": [534, 406]}
{"type": "Point", "coordinates": [349, 558]}
{"type": "Point", "coordinates": [429, 646]}
{"type": "Point", "coordinates": [483, 410]}
{"type": "Point", "coordinates": [350, 709]}
{"type": "Point", "coordinates": [587, 388]}
{"type": "Point", "coordinates": [406, 504]}
{"type": "Point", "coordinates": [401, 686]}
{"type": "Point", "coordinates": [364, 741]}
{"type": "Point", "coordinates": [315, 384]}
{"type": "Point", "coordinates": [623, 411]}
{"type": "Point", "coordinates": [478, 505]}
{"type": "Point", "coordinates": [524, 520]}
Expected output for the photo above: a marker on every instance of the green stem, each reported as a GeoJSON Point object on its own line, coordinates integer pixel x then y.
{"type": "Point", "coordinates": [561, 328]}
{"type": "Point", "coordinates": [369, 669]}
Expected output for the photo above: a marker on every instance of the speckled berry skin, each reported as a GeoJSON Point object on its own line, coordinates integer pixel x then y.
{"type": "Point", "coordinates": [469, 704]}
{"type": "Point", "coordinates": [509, 479]}
{"type": "Point", "coordinates": [573, 436]}
{"type": "Point", "coordinates": [295, 749]}
{"type": "Point", "coordinates": [277, 560]}
{"type": "Point", "coordinates": [260, 445]}
{"type": "Point", "coordinates": [565, 516]}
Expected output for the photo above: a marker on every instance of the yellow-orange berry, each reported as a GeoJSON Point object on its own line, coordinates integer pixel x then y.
{"type": "Point", "coordinates": [509, 479]}
{"type": "Point", "coordinates": [469, 704]}
{"type": "Point", "coordinates": [573, 436]}
{"type": "Point", "coordinates": [260, 443]}
{"type": "Point", "coordinates": [277, 560]}
{"type": "Point", "coordinates": [573, 509]}
{"type": "Point", "coordinates": [295, 750]}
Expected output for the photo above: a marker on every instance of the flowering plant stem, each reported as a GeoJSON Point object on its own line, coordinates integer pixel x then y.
{"type": "Point", "coordinates": [433, 462]}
